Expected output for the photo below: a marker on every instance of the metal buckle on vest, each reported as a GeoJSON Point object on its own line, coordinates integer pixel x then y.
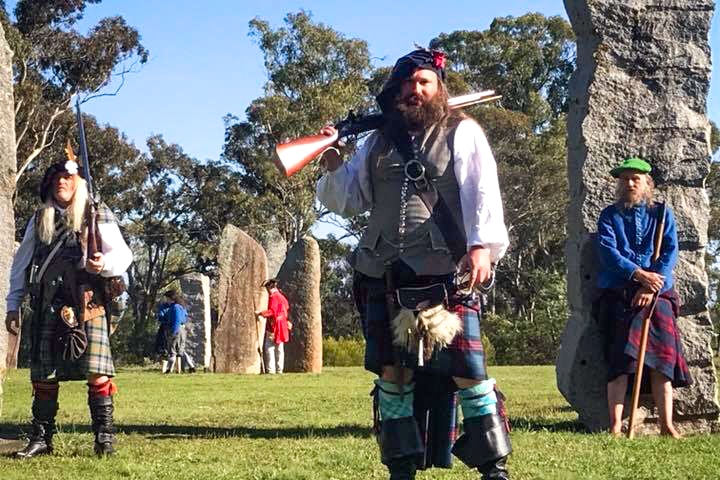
{"type": "Point", "coordinates": [415, 172]}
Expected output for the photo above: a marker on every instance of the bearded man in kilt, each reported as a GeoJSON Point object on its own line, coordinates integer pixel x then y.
{"type": "Point", "coordinates": [628, 279]}
{"type": "Point", "coordinates": [429, 180]}
{"type": "Point", "coordinates": [70, 337]}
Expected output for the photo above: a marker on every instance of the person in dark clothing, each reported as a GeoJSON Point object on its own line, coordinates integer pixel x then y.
{"type": "Point", "coordinates": [429, 180]}
{"type": "Point", "coordinates": [70, 335]}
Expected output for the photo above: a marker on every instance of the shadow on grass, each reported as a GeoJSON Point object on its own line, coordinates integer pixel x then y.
{"type": "Point", "coordinates": [12, 431]}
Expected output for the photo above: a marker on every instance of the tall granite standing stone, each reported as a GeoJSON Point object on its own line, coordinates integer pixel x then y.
{"type": "Point", "coordinates": [196, 290]}
{"type": "Point", "coordinates": [640, 89]}
{"type": "Point", "coordinates": [243, 267]}
{"type": "Point", "coordinates": [7, 186]}
{"type": "Point", "coordinates": [299, 279]}
{"type": "Point", "coordinates": [275, 249]}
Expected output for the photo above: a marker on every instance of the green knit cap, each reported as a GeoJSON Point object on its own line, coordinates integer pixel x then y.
{"type": "Point", "coordinates": [633, 163]}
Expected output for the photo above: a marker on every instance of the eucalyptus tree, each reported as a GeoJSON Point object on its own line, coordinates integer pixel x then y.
{"type": "Point", "coordinates": [315, 75]}
{"type": "Point", "coordinates": [53, 62]}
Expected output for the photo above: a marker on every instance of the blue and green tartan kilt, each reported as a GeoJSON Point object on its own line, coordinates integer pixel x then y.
{"type": "Point", "coordinates": [464, 357]}
{"type": "Point", "coordinates": [46, 362]}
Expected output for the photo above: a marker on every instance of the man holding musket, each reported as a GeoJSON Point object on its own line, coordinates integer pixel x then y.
{"type": "Point", "coordinates": [629, 279]}
{"type": "Point", "coordinates": [429, 180]}
{"type": "Point", "coordinates": [70, 338]}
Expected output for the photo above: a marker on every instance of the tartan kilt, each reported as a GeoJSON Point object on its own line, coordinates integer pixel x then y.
{"type": "Point", "coordinates": [464, 357]}
{"type": "Point", "coordinates": [623, 327]}
{"type": "Point", "coordinates": [46, 362]}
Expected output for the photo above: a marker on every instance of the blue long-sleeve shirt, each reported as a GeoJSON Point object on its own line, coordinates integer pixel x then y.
{"type": "Point", "coordinates": [172, 316]}
{"type": "Point", "coordinates": [626, 241]}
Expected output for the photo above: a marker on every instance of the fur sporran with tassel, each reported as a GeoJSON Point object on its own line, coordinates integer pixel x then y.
{"type": "Point", "coordinates": [425, 330]}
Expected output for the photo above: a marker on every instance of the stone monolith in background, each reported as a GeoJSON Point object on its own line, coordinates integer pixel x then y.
{"type": "Point", "coordinates": [275, 249]}
{"type": "Point", "coordinates": [243, 267]}
{"type": "Point", "coordinates": [299, 279]}
{"type": "Point", "coordinates": [640, 89]}
{"type": "Point", "coordinates": [7, 187]}
{"type": "Point", "coordinates": [195, 288]}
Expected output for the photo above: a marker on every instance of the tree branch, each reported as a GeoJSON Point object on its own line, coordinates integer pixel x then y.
{"type": "Point", "coordinates": [43, 143]}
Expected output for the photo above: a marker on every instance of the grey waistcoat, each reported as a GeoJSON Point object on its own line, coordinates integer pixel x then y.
{"type": "Point", "coordinates": [422, 246]}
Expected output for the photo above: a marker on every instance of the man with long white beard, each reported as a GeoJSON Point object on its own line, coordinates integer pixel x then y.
{"type": "Point", "coordinates": [429, 180]}
{"type": "Point", "coordinates": [628, 279]}
{"type": "Point", "coordinates": [70, 338]}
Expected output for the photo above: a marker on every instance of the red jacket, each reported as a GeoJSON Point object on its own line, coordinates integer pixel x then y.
{"type": "Point", "coordinates": [277, 315]}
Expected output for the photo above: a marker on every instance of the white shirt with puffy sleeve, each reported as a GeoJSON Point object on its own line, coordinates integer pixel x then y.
{"type": "Point", "coordinates": [347, 190]}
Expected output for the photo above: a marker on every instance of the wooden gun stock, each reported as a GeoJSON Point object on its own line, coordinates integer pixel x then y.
{"type": "Point", "coordinates": [292, 156]}
{"type": "Point", "coordinates": [93, 236]}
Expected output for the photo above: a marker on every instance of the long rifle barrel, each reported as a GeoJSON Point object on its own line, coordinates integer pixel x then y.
{"type": "Point", "coordinates": [291, 157]}
{"type": "Point", "coordinates": [84, 151]}
{"type": "Point", "coordinates": [93, 240]}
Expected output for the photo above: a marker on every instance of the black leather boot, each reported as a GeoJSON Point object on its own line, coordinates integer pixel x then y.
{"type": "Point", "coordinates": [485, 445]}
{"type": "Point", "coordinates": [43, 429]}
{"type": "Point", "coordinates": [400, 447]}
{"type": "Point", "coordinates": [402, 468]}
{"type": "Point", "coordinates": [101, 411]}
{"type": "Point", "coordinates": [495, 470]}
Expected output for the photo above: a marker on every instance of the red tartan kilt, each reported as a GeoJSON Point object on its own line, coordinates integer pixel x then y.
{"type": "Point", "coordinates": [623, 324]}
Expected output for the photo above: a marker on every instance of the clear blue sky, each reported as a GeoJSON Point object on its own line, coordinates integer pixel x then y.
{"type": "Point", "coordinates": [203, 65]}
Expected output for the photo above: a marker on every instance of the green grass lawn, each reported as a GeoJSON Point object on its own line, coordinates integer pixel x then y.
{"type": "Point", "coordinates": [297, 426]}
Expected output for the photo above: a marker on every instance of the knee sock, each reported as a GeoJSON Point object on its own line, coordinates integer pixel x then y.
{"type": "Point", "coordinates": [392, 404]}
{"type": "Point", "coordinates": [46, 391]}
{"type": "Point", "coordinates": [107, 389]}
{"type": "Point", "coordinates": [479, 400]}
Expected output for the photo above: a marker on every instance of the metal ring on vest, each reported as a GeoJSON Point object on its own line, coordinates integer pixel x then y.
{"type": "Point", "coordinates": [414, 171]}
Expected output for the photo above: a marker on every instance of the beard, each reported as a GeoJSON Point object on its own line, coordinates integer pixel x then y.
{"type": "Point", "coordinates": [632, 198]}
{"type": "Point", "coordinates": [419, 117]}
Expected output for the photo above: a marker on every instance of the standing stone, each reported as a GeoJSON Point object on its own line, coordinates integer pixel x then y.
{"type": "Point", "coordinates": [7, 187]}
{"type": "Point", "coordinates": [275, 249]}
{"type": "Point", "coordinates": [196, 290]}
{"type": "Point", "coordinates": [640, 89]}
{"type": "Point", "coordinates": [243, 267]}
{"type": "Point", "coordinates": [299, 279]}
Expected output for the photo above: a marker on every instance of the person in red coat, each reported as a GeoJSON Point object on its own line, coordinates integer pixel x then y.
{"type": "Point", "coordinates": [277, 327]}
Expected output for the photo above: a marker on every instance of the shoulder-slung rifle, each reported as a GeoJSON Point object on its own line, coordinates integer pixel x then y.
{"type": "Point", "coordinates": [93, 239]}
{"type": "Point", "coordinates": [292, 156]}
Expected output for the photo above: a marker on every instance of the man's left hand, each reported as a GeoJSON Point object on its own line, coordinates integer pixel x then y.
{"type": "Point", "coordinates": [477, 262]}
{"type": "Point", "coordinates": [96, 263]}
{"type": "Point", "coordinates": [642, 298]}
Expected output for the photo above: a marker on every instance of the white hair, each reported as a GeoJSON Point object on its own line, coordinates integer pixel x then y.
{"type": "Point", "coordinates": [74, 213]}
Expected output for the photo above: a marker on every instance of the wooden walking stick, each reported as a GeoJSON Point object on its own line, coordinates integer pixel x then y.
{"type": "Point", "coordinates": [646, 326]}
{"type": "Point", "coordinates": [260, 348]}
{"type": "Point", "coordinates": [259, 340]}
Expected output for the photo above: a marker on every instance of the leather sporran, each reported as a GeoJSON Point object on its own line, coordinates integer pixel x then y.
{"type": "Point", "coordinates": [71, 336]}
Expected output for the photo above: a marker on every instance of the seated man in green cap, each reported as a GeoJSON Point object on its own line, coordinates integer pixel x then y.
{"type": "Point", "coordinates": [628, 279]}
